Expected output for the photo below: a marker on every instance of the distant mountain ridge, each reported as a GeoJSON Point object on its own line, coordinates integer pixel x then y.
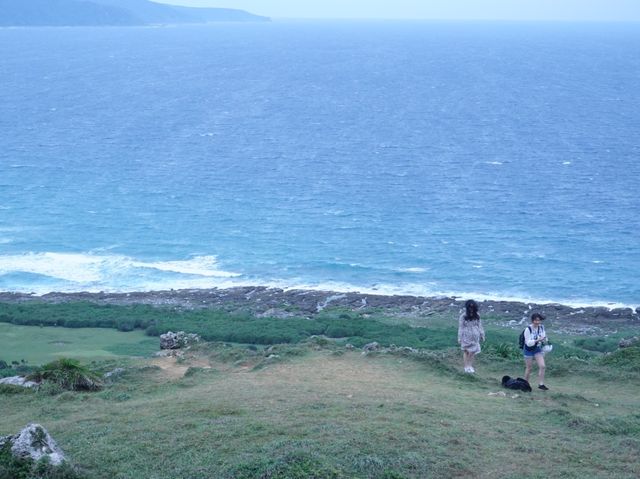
{"type": "Point", "coordinates": [112, 12]}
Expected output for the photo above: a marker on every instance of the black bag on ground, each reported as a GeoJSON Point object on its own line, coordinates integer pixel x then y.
{"type": "Point", "coordinates": [518, 384]}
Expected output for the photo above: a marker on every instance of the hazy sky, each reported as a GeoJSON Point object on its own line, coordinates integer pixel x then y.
{"type": "Point", "coordinates": [434, 9]}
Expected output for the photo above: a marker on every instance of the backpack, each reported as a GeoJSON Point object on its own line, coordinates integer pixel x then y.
{"type": "Point", "coordinates": [517, 383]}
{"type": "Point", "coordinates": [521, 338]}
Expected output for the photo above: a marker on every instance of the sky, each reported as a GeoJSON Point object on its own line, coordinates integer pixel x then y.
{"type": "Point", "coordinates": [574, 10]}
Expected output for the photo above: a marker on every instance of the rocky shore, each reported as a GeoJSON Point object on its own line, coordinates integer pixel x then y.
{"type": "Point", "coordinates": [274, 302]}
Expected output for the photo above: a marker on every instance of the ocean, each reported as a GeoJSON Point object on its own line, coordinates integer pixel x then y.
{"type": "Point", "coordinates": [485, 160]}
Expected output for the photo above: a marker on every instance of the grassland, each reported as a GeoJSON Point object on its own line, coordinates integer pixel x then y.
{"type": "Point", "coordinates": [38, 345]}
{"type": "Point", "coordinates": [316, 409]}
{"type": "Point", "coordinates": [320, 411]}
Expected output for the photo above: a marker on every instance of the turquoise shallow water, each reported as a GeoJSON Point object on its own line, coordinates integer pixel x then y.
{"type": "Point", "coordinates": [495, 160]}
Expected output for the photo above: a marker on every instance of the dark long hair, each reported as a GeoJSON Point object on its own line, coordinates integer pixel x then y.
{"type": "Point", "coordinates": [471, 310]}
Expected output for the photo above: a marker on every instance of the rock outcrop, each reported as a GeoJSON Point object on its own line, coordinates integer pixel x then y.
{"type": "Point", "coordinates": [171, 340]}
{"type": "Point", "coordinates": [19, 381]}
{"type": "Point", "coordinates": [35, 443]}
{"type": "Point", "coordinates": [629, 342]}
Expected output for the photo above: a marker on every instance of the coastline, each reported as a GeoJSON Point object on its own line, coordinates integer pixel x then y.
{"type": "Point", "coordinates": [276, 302]}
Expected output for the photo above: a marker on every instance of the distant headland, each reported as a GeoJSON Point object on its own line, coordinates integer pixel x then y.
{"type": "Point", "coordinates": [112, 13]}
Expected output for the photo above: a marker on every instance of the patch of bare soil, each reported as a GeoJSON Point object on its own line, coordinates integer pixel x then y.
{"type": "Point", "coordinates": [176, 370]}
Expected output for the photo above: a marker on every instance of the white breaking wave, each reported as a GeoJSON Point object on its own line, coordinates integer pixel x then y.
{"type": "Point", "coordinates": [70, 267]}
{"type": "Point", "coordinates": [412, 270]}
{"type": "Point", "coordinates": [74, 272]}
{"type": "Point", "coordinates": [199, 266]}
{"type": "Point", "coordinates": [89, 271]}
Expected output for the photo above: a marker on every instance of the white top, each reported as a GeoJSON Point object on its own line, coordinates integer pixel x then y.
{"type": "Point", "coordinates": [533, 334]}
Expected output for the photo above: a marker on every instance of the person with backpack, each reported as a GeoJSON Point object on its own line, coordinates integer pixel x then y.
{"type": "Point", "coordinates": [470, 333]}
{"type": "Point", "coordinates": [533, 338]}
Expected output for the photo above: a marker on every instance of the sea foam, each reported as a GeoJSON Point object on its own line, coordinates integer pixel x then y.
{"type": "Point", "coordinates": [90, 272]}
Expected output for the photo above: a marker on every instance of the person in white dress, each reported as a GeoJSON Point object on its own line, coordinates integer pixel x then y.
{"type": "Point", "coordinates": [470, 334]}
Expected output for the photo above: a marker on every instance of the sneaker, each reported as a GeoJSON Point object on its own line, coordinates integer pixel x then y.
{"type": "Point", "coordinates": [471, 370]}
{"type": "Point", "coordinates": [543, 387]}
{"type": "Point", "coordinates": [467, 369]}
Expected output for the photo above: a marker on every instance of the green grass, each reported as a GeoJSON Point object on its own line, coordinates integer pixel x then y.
{"type": "Point", "coordinates": [315, 414]}
{"type": "Point", "coordinates": [39, 345]}
{"type": "Point", "coordinates": [309, 408]}
{"type": "Point", "coordinates": [436, 332]}
{"type": "Point", "coordinates": [220, 325]}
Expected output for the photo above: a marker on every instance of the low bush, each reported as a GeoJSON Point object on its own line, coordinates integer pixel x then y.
{"type": "Point", "coordinates": [125, 325]}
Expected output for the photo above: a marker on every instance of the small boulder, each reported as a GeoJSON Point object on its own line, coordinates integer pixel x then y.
{"type": "Point", "coordinates": [18, 381]}
{"type": "Point", "coordinates": [629, 342]}
{"type": "Point", "coordinates": [374, 346]}
{"type": "Point", "coordinates": [113, 374]}
{"type": "Point", "coordinates": [35, 443]}
{"type": "Point", "coordinates": [171, 340]}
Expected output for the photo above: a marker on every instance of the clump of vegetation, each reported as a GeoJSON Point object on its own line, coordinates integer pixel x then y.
{"type": "Point", "coordinates": [16, 368]}
{"type": "Point", "coordinates": [295, 465]}
{"type": "Point", "coordinates": [10, 389]}
{"type": "Point", "coordinates": [504, 350]}
{"type": "Point", "coordinates": [627, 358]}
{"type": "Point", "coordinates": [67, 374]}
{"type": "Point", "coordinates": [598, 344]}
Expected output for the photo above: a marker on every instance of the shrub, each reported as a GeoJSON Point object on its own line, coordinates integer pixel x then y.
{"type": "Point", "coordinates": [3, 364]}
{"type": "Point", "coordinates": [125, 325]}
{"type": "Point", "coordinates": [69, 374]}
{"type": "Point", "coordinates": [152, 330]}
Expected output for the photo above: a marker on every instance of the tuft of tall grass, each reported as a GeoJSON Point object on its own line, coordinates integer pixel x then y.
{"type": "Point", "coordinates": [67, 374]}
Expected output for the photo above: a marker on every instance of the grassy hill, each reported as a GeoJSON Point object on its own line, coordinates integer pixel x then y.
{"type": "Point", "coordinates": [294, 397]}
{"type": "Point", "coordinates": [316, 409]}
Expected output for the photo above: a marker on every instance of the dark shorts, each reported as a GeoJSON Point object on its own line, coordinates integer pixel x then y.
{"type": "Point", "coordinates": [532, 353]}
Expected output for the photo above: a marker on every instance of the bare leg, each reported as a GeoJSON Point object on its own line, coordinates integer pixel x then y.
{"type": "Point", "coordinates": [465, 356]}
{"type": "Point", "coordinates": [472, 356]}
{"type": "Point", "coordinates": [528, 361]}
{"type": "Point", "coordinates": [541, 367]}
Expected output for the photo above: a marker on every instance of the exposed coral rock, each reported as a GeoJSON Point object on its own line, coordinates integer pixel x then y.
{"type": "Point", "coordinates": [34, 442]}
{"type": "Point", "coordinates": [18, 381]}
{"type": "Point", "coordinates": [628, 342]}
{"type": "Point", "coordinates": [171, 340]}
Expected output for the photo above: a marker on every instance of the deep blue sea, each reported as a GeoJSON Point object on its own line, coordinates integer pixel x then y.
{"type": "Point", "coordinates": [487, 160]}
